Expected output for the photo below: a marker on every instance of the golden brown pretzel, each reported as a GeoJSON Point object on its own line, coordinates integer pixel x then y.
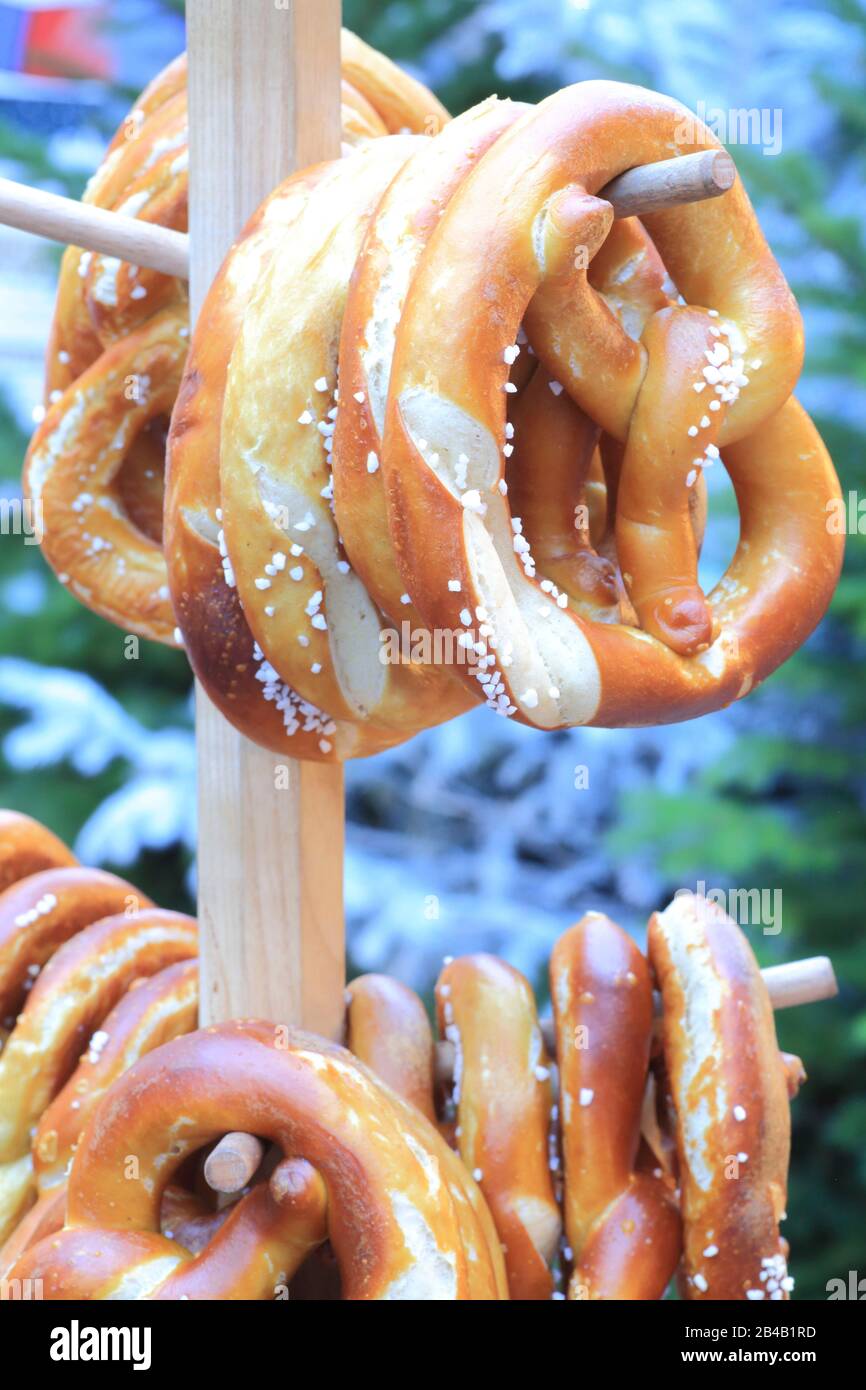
{"type": "Point", "coordinates": [388, 1030]}
{"type": "Point", "coordinates": [80, 985]}
{"type": "Point", "coordinates": [309, 612]}
{"type": "Point", "coordinates": [502, 1097]}
{"type": "Point", "coordinates": [234, 670]}
{"type": "Point", "coordinates": [730, 1092]}
{"type": "Point", "coordinates": [504, 252]}
{"type": "Point", "coordinates": [72, 470]}
{"type": "Point", "coordinates": [622, 1225]}
{"type": "Point", "coordinates": [405, 219]}
{"type": "Point", "coordinates": [26, 847]}
{"type": "Point", "coordinates": [315, 588]}
{"type": "Point", "coordinates": [154, 1010]}
{"type": "Point", "coordinates": [404, 1219]}
{"type": "Point", "coordinates": [46, 909]}
{"type": "Point", "coordinates": [103, 383]}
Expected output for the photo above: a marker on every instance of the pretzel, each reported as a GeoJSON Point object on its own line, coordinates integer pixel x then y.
{"type": "Point", "coordinates": [405, 219]}
{"type": "Point", "coordinates": [622, 1224]}
{"type": "Point", "coordinates": [403, 1218]}
{"type": "Point", "coordinates": [81, 984]}
{"type": "Point", "coordinates": [524, 211]}
{"type": "Point", "coordinates": [26, 847]}
{"type": "Point", "coordinates": [631, 279]}
{"type": "Point", "coordinates": [730, 1091]}
{"type": "Point", "coordinates": [317, 634]}
{"type": "Point", "coordinates": [221, 647]}
{"type": "Point", "coordinates": [72, 465]}
{"type": "Point", "coordinates": [43, 911]}
{"type": "Point", "coordinates": [503, 1098]}
{"type": "Point", "coordinates": [388, 1030]}
{"type": "Point", "coordinates": [95, 462]}
{"type": "Point", "coordinates": [275, 486]}
{"type": "Point", "coordinates": [153, 1010]}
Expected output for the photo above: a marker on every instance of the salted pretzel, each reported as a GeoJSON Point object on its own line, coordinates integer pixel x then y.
{"type": "Point", "coordinates": [235, 671]}
{"type": "Point", "coordinates": [318, 624]}
{"type": "Point", "coordinates": [360, 1168]}
{"type": "Point", "coordinates": [26, 847]}
{"type": "Point", "coordinates": [502, 1097]}
{"type": "Point", "coordinates": [621, 1223]}
{"type": "Point", "coordinates": [730, 1088]}
{"type": "Point", "coordinates": [309, 612]}
{"type": "Point", "coordinates": [96, 462]}
{"type": "Point", "coordinates": [78, 987]}
{"type": "Point", "coordinates": [713, 373]}
{"type": "Point", "coordinates": [543, 430]}
{"type": "Point", "coordinates": [43, 911]}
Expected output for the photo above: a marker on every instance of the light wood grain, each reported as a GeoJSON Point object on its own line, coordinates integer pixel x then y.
{"type": "Point", "coordinates": [264, 99]}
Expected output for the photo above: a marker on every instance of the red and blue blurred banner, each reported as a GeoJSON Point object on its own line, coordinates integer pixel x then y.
{"type": "Point", "coordinates": [56, 40]}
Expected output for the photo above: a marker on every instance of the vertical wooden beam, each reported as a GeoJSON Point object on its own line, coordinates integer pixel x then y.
{"type": "Point", "coordinates": [264, 99]}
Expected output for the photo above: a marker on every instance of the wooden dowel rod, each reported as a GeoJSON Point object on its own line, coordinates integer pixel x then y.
{"type": "Point", "coordinates": [650, 188]}
{"type": "Point", "coordinates": [264, 100]}
{"type": "Point", "coordinates": [78, 224]}
{"type": "Point", "coordinates": [800, 982]}
{"type": "Point", "coordinates": [234, 1161]}
{"type": "Point", "coordinates": [654, 187]}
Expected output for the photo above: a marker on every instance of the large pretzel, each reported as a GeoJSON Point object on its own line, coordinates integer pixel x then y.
{"type": "Point", "coordinates": [154, 1010]}
{"type": "Point", "coordinates": [701, 378]}
{"type": "Point", "coordinates": [730, 1089]}
{"type": "Point", "coordinates": [622, 1224]}
{"type": "Point", "coordinates": [360, 1168]}
{"type": "Point", "coordinates": [309, 612]}
{"type": "Point", "coordinates": [238, 675]}
{"type": "Point", "coordinates": [77, 988]}
{"type": "Point", "coordinates": [26, 847]}
{"type": "Point", "coordinates": [305, 556]}
{"type": "Point", "coordinates": [548, 432]}
{"type": "Point", "coordinates": [96, 461]}
{"type": "Point", "coordinates": [502, 1097]}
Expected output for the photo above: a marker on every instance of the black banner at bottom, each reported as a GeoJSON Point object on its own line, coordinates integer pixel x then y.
{"type": "Point", "coordinates": [68, 1338]}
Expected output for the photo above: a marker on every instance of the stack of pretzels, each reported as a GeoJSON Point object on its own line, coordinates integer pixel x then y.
{"type": "Point", "coordinates": [649, 1149]}
{"type": "Point", "coordinates": [441, 435]}
{"type": "Point", "coordinates": [92, 976]}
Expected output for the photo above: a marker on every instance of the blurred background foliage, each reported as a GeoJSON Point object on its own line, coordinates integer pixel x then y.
{"type": "Point", "coordinates": [474, 835]}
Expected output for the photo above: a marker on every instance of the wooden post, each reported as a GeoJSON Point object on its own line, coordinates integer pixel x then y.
{"type": "Point", "coordinates": [264, 99]}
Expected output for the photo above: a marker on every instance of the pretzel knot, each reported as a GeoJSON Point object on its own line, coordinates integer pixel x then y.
{"type": "Point", "coordinates": [282, 568]}
{"type": "Point", "coordinates": [360, 1168]}
{"type": "Point", "coordinates": [713, 374]}
{"type": "Point", "coordinates": [119, 339]}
